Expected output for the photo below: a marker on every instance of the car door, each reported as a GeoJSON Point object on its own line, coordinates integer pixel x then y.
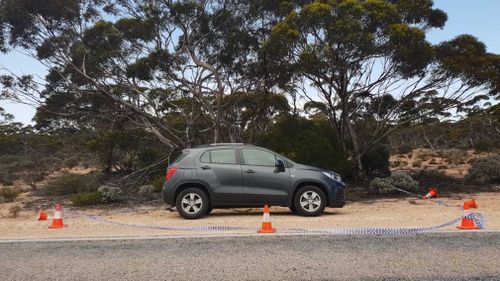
{"type": "Point", "coordinates": [263, 183]}
{"type": "Point", "coordinates": [219, 168]}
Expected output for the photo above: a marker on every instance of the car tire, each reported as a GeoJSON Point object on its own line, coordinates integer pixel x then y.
{"type": "Point", "coordinates": [309, 201]}
{"type": "Point", "coordinates": [209, 209]}
{"type": "Point", "coordinates": [192, 203]}
{"type": "Point", "coordinates": [293, 209]}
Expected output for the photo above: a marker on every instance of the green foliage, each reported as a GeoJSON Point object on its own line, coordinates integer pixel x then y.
{"type": "Point", "coordinates": [432, 175]}
{"type": "Point", "coordinates": [118, 80]}
{"type": "Point", "coordinates": [158, 183]}
{"type": "Point", "coordinates": [404, 181]}
{"type": "Point", "coordinates": [382, 185]}
{"type": "Point", "coordinates": [404, 148]}
{"type": "Point", "coordinates": [454, 156]}
{"type": "Point", "coordinates": [376, 161]}
{"type": "Point", "coordinates": [109, 193]}
{"type": "Point", "coordinates": [396, 180]}
{"type": "Point", "coordinates": [485, 170]}
{"type": "Point", "coordinates": [307, 142]}
{"type": "Point", "coordinates": [86, 198]}
{"type": "Point", "coordinates": [9, 193]}
{"type": "Point", "coordinates": [71, 183]}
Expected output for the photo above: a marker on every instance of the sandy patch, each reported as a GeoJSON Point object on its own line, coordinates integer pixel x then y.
{"type": "Point", "coordinates": [376, 213]}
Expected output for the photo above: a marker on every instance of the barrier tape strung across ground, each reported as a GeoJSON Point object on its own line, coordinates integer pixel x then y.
{"type": "Point", "coordinates": [478, 218]}
{"type": "Point", "coordinates": [435, 201]}
{"type": "Point", "coordinates": [204, 228]}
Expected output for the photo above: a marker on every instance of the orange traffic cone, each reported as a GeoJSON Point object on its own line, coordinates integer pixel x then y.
{"type": "Point", "coordinates": [57, 221]}
{"type": "Point", "coordinates": [266, 222]}
{"type": "Point", "coordinates": [432, 193]}
{"type": "Point", "coordinates": [467, 222]}
{"type": "Point", "coordinates": [42, 216]}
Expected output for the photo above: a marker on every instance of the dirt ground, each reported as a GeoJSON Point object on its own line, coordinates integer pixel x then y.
{"type": "Point", "coordinates": [403, 212]}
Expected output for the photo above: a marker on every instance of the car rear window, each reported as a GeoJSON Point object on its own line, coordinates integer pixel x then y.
{"type": "Point", "coordinates": [178, 155]}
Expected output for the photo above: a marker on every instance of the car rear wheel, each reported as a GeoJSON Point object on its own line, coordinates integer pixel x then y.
{"type": "Point", "coordinates": [192, 203]}
{"type": "Point", "coordinates": [310, 201]}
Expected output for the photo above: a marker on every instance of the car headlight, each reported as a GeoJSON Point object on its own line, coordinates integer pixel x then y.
{"type": "Point", "coordinates": [332, 175]}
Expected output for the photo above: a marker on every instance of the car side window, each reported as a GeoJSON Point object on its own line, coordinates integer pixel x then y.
{"type": "Point", "coordinates": [223, 156]}
{"type": "Point", "coordinates": [205, 158]}
{"type": "Point", "coordinates": [258, 157]}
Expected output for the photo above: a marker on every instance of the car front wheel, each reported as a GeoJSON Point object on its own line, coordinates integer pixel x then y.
{"type": "Point", "coordinates": [192, 203]}
{"type": "Point", "coordinates": [310, 201]}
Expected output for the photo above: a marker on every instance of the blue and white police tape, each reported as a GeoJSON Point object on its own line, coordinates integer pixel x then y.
{"type": "Point", "coordinates": [432, 200]}
{"type": "Point", "coordinates": [478, 219]}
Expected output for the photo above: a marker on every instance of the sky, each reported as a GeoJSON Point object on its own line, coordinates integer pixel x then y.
{"type": "Point", "coordinates": [478, 18]}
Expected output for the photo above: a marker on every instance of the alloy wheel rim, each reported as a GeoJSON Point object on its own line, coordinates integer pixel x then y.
{"type": "Point", "coordinates": [310, 201]}
{"type": "Point", "coordinates": [191, 203]}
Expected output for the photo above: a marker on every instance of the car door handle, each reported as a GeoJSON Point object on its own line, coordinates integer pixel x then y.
{"type": "Point", "coordinates": [206, 167]}
{"type": "Point", "coordinates": [250, 171]}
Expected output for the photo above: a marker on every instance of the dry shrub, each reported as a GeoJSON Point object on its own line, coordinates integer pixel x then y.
{"type": "Point", "coordinates": [455, 156]}
{"type": "Point", "coordinates": [14, 211]}
{"type": "Point", "coordinates": [9, 193]}
{"type": "Point", "coordinates": [485, 170]}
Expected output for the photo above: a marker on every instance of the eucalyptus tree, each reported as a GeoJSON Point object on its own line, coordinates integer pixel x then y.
{"type": "Point", "coordinates": [373, 68]}
{"type": "Point", "coordinates": [150, 61]}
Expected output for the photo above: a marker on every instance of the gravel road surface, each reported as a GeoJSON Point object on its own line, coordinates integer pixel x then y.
{"type": "Point", "coordinates": [438, 256]}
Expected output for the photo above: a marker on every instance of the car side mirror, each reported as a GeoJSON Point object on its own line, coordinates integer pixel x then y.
{"type": "Point", "coordinates": [280, 166]}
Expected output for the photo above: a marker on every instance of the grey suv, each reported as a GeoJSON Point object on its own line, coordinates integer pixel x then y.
{"type": "Point", "coordinates": [241, 175]}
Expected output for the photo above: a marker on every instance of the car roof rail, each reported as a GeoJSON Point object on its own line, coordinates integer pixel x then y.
{"type": "Point", "coordinates": [225, 144]}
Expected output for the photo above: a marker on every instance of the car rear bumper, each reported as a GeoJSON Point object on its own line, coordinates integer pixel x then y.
{"type": "Point", "coordinates": [168, 194]}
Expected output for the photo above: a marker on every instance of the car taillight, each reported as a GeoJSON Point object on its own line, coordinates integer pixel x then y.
{"type": "Point", "coordinates": [170, 172]}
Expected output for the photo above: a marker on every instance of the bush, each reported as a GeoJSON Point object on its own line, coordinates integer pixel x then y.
{"type": "Point", "coordinates": [9, 193]}
{"type": "Point", "coordinates": [455, 156]}
{"type": "Point", "coordinates": [432, 175]}
{"type": "Point", "coordinates": [485, 170]}
{"type": "Point", "coordinates": [417, 164]}
{"type": "Point", "coordinates": [71, 184]}
{"type": "Point", "coordinates": [399, 180]}
{"type": "Point", "coordinates": [433, 161]}
{"type": "Point", "coordinates": [109, 193]}
{"type": "Point", "coordinates": [147, 191]}
{"type": "Point", "coordinates": [6, 178]}
{"type": "Point", "coordinates": [376, 161]}
{"type": "Point", "coordinates": [86, 198]}
{"type": "Point", "coordinates": [404, 181]}
{"type": "Point", "coordinates": [158, 183]}
{"type": "Point", "coordinates": [382, 185]}
{"type": "Point", "coordinates": [14, 211]}
{"type": "Point", "coordinates": [404, 148]}
{"type": "Point", "coordinates": [71, 162]}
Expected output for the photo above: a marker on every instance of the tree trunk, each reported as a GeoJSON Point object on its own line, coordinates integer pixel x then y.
{"type": "Point", "coordinates": [356, 154]}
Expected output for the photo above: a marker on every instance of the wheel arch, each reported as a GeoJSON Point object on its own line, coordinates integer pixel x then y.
{"type": "Point", "coordinates": [304, 183]}
{"type": "Point", "coordinates": [193, 184]}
